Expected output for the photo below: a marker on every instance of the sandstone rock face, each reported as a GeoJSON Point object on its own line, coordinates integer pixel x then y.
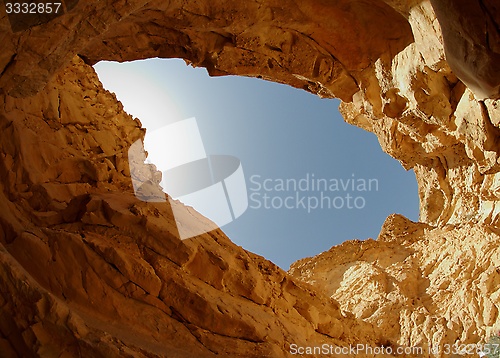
{"type": "Point", "coordinates": [425, 287]}
{"type": "Point", "coordinates": [472, 42]}
{"type": "Point", "coordinates": [89, 270]}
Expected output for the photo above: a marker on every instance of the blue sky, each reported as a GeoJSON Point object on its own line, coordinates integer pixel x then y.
{"type": "Point", "coordinates": [279, 134]}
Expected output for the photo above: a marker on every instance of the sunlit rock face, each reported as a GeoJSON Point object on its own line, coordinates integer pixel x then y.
{"type": "Point", "coordinates": [89, 270]}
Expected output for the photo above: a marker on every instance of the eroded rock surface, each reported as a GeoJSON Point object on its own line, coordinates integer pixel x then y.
{"type": "Point", "coordinates": [89, 270]}
{"type": "Point", "coordinates": [424, 286]}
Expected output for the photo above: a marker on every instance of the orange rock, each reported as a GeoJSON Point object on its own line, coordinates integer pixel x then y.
{"type": "Point", "coordinates": [87, 269]}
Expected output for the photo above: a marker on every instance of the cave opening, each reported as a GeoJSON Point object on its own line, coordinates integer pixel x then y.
{"type": "Point", "coordinates": [312, 180]}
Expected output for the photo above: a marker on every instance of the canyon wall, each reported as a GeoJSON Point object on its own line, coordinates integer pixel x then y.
{"type": "Point", "coordinates": [90, 270]}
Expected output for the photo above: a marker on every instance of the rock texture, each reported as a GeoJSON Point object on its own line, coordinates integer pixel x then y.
{"type": "Point", "coordinates": [89, 270]}
{"type": "Point", "coordinates": [424, 286]}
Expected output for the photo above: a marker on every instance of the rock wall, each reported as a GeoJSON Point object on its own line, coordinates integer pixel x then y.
{"type": "Point", "coordinates": [436, 288]}
{"type": "Point", "coordinates": [89, 270]}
